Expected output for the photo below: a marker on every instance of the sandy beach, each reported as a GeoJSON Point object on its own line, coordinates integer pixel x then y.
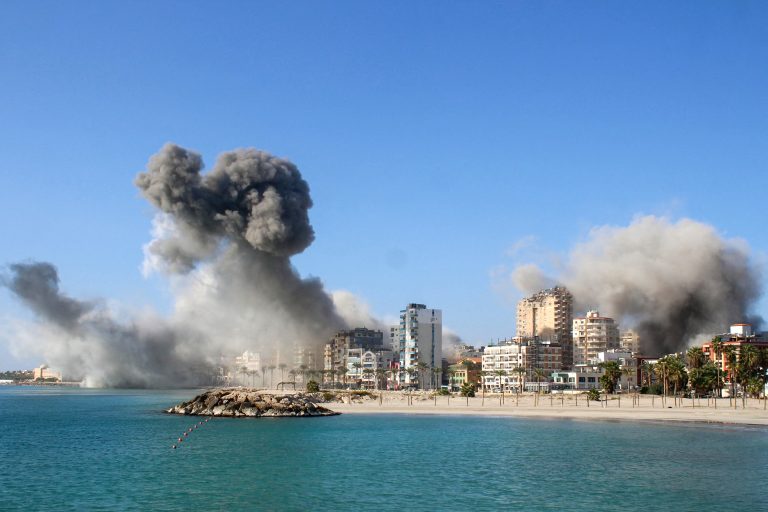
{"type": "Point", "coordinates": [625, 408]}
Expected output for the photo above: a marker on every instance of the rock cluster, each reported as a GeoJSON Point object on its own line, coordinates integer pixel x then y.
{"type": "Point", "coordinates": [242, 403]}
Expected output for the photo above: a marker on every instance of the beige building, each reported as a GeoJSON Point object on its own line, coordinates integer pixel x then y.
{"type": "Point", "coordinates": [630, 340]}
{"type": "Point", "coordinates": [548, 316]}
{"type": "Point", "coordinates": [593, 334]}
{"type": "Point", "coordinates": [43, 372]}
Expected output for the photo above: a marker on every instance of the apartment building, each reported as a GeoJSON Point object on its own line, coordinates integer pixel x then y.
{"type": "Point", "coordinates": [418, 338]}
{"type": "Point", "coordinates": [593, 334]}
{"type": "Point", "coordinates": [548, 316]}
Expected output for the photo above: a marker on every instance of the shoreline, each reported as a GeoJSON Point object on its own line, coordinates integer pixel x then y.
{"type": "Point", "coordinates": [646, 409]}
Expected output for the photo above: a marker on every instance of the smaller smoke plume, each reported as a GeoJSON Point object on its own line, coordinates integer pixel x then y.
{"type": "Point", "coordinates": [82, 338]}
{"type": "Point", "coordinates": [529, 279]}
{"type": "Point", "coordinates": [671, 282]}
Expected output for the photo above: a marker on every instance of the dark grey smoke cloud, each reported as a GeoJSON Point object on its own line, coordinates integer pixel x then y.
{"type": "Point", "coordinates": [673, 282]}
{"type": "Point", "coordinates": [249, 196]}
{"type": "Point", "coordinates": [225, 238]}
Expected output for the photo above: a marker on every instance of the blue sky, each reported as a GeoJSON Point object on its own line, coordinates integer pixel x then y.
{"type": "Point", "coordinates": [434, 135]}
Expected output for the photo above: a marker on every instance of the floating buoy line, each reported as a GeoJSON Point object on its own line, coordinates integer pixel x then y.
{"type": "Point", "coordinates": [186, 433]}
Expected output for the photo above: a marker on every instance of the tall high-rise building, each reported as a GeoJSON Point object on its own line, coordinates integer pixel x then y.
{"type": "Point", "coordinates": [548, 316]}
{"type": "Point", "coordinates": [593, 334]}
{"type": "Point", "coordinates": [418, 339]}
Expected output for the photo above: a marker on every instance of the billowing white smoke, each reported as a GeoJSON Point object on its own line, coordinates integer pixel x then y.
{"type": "Point", "coordinates": [225, 238]}
{"type": "Point", "coordinates": [671, 281]}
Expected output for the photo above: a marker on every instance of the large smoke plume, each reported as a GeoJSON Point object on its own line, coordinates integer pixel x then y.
{"type": "Point", "coordinates": [673, 282]}
{"type": "Point", "coordinates": [226, 238]}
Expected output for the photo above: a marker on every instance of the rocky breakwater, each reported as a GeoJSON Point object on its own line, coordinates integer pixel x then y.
{"type": "Point", "coordinates": [247, 403]}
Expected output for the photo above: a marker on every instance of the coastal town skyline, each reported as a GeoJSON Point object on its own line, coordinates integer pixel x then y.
{"type": "Point", "coordinates": [442, 158]}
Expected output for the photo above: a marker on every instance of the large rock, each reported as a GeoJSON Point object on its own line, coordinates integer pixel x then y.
{"type": "Point", "coordinates": [241, 402]}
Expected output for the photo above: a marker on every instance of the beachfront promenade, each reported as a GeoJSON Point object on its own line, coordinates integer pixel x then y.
{"type": "Point", "coordinates": [618, 407]}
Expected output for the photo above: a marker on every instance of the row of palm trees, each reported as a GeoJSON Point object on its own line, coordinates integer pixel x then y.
{"type": "Point", "coordinates": [746, 367]}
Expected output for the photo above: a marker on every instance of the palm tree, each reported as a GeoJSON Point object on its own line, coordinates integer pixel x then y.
{"type": "Point", "coordinates": [749, 360]}
{"type": "Point", "coordinates": [483, 373]}
{"type": "Point", "coordinates": [520, 370]}
{"type": "Point", "coordinates": [271, 372]}
{"type": "Point", "coordinates": [395, 372]}
{"type": "Point", "coordinates": [412, 375]}
{"type": "Point", "coordinates": [610, 377]}
{"type": "Point", "coordinates": [540, 373]}
{"type": "Point", "coordinates": [282, 367]}
{"type": "Point", "coordinates": [695, 357]}
{"type": "Point", "coordinates": [422, 367]}
{"type": "Point", "coordinates": [500, 374]}
{"type": "Point", "coordinates": [717, 347]}
{"type": "Point", "coordinates": [676, 373]}
{"type": "Point", "coordinates": [368, 372]}
{"type": "Point", "coordinates": [451, 374]}
{"type": "Point", "coordinates": [263, 375]}
{"type": "Point", "coordinates": [332, 374]}
{"type": "Point", "coordinates": [662, 371]}
{"type": "Point", "coordinates": [243, 372]}
{"type": "Point", "coordinates": [731, 357]}
{"type": "Point", "coordinates": [437, 371]}
{"type": "Point", "coordinates": [343, 374]}
{"type": "Point", "coordinates": [380, 374]}
{"type": "Point", "coordinates": [358, 373]}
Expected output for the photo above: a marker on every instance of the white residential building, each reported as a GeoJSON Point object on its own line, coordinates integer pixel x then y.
{"type": "Point", "coordinates": [368, 369]}
{"type": "Point", "coordinates": [593, 334]}
{"type": "Point", "coordinates": [418, 339]}
{"type": "Point", "coordinates": [525, 355]}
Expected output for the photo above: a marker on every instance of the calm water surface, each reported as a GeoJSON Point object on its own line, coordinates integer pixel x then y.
{"type": "Point", "coordinates": [73, 449]}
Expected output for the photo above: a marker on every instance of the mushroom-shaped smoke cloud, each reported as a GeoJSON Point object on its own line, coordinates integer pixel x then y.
{"type": "Point", "coordinates": [226, 238]}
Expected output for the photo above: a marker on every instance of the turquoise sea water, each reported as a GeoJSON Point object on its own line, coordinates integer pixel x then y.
{"type": "Point", "coordinates": [73, 449]}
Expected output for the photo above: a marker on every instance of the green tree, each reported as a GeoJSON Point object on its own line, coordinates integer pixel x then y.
{"type": "Point", "coordinates": [422, 368]}
{"type": "Point", "coordinates": [540, 374]}
{"type": "Point", "coordinates": [381, 373]}
{"type": "Point", "coordinates": [357, 365]}
{"type": "Point", "coordinates": [501, 374]}
{"type": "Point", "coordinates": [395, 371]}
{"type": "Point", "coordinates": [413, 373]}
{"type": "Point", "coordinates": [676, 373]}
{"type": "Point", "coordinates": [704, 379]}
{"type": "Point", "coordinates": [696, 357]}
{"type": "Point", "coordinates": [748, 368]}
{"type": "Point", "coordinates": [437, 372]}
{"type": "Point", "coordinates": [717, 347]}
{"type": "Point", "coordinates": [520, 371]}
{"type": "Point", "coordinates": [313, 387]}
{"type": "Point", "coordinates": [468, 390]}
{"type": "Point", "coordinates": [483, 374]}
{"type": "Point", "coordinates": [611, 375]}
{"type": "Point", "coordinates": [342, 370]}
{"type": "Point", "coordinates": [731, 357]}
